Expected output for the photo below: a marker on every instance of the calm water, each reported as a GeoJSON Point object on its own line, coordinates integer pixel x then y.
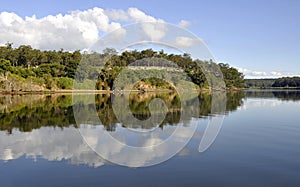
{"type": "Point", "coordinates": [258, 144]}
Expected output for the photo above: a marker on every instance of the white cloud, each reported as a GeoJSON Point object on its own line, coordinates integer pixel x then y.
{"type": "Point", "coordinates": [153, 31]}
{"type": "Point", "coordinates": [184, 24]}
{"type": "Point", "coordinates": [183, 41]}
{"type": "Point", "coordinates": [140, 16]}
{"type": "Point", "coordinates": [77, 29]}
{"type": "Point", "coordinates": [264, 74]}
{"type": "Point", "coordinates": [131, 15]}
{"type": "Point", "coordinates": [253, 73]}
{"type": "Point", "coordinates": [117, 14]}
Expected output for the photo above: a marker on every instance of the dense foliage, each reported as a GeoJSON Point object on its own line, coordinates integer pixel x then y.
{"type": "Point", "coordinates": [287, 82]}
{"type": "Point", "coordinates": [284, 82]}
{"type": "Point", "coordinates": [57, 69]}
{"type": "Point", "coordinates": [259, 83]}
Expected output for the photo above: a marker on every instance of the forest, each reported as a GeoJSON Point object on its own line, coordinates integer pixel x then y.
{"type": "Point", "coordinates": [27, 69]}
{"type": "Point", "coordinates": [283, 82]}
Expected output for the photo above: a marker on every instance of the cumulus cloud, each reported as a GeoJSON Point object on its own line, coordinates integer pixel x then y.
{"type": "Point", "coordinates": [117, 14]}
{"type": "Point", "coordinates": [248, 72]}
{"type": "Point", "coordinates": [140, 16]}
{"type": "Point", "coordinates": [184, 24]}
{"type": "Point", "coordinates": [78, 29]}
{"type": "Point", "coordinates": [184, 42]}
{"type": "Point", "coordinates": [263, 74]}
{"type": "Point", "coordinates": [131, 15]}
{"type": "Point", "coordinates": [154, 29]}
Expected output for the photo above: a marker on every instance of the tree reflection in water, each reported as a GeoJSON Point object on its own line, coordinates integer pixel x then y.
{"type": "Point", "coordinates": [28, 112]}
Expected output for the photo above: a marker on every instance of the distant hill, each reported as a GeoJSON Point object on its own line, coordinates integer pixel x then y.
{"type": "Point", "coordinates": [259, 83]}
{"type": "Point", "coordinates": [283, 82]}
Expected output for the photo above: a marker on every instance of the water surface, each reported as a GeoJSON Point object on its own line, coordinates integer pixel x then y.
{"type": "Point", "coordinates": [258, 144]}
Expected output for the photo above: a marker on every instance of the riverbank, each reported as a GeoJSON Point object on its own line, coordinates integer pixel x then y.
{"type": "Point", "coordinates": [90, 91]}
{"type": "Point", "coordinates": [114, 91]}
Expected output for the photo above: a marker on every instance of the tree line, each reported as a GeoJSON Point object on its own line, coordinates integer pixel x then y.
{"type": "Point", "coordinates": [287, 82]}
{"type": "Point", "coordinates": [56, 69]}
{"type": "Point", "coordinates": [283, 82]}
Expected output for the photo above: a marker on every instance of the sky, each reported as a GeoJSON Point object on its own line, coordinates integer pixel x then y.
{"type": "Point", "coordinates": [259, 37]}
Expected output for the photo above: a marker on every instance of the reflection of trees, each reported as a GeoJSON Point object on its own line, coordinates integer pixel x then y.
{"type": "Point", "coordinates": [139, 103]}
{"type": "Point", "coordinates": [57, 110]}
{"type": "Point", "coordinates": [259, 94]}
{"type": "Point", "coordinates": [234, 100]}
{"type": "Point", "coordinates": [280, 94]}
{"type": "Point", "coordinates": [139, 107]}
{"type": "Point", "coordinates": [287, 95]}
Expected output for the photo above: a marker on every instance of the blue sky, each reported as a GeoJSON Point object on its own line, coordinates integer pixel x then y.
{"type": "Point", "coordinates": [257, 36]}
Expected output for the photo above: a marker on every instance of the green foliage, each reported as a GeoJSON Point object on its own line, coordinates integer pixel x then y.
{"type": "Point", "coordinates": [284, 82]}
{"type": "Point", "coordinates": [5, 66]}
{"type": "Point", "coordinates": [56, 68]}
{"type": "Point", "coordinates": [49, 82]}
{"type": "Point", "coordinates": [232, 77]}
{"type": "Point", "coordinates": [287, 82]}
{"type": "Point", "coordinates": [65, 83]}
{"type": "Point", "coordinates": [37, 80]}
{"type": "Point", "coordinates": [259, 83]}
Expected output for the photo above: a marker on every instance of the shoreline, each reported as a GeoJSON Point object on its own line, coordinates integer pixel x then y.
{"type": "Point", "coordinates": [87, 91]}
{"type": "Point", "coordinates": [4, 92]}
